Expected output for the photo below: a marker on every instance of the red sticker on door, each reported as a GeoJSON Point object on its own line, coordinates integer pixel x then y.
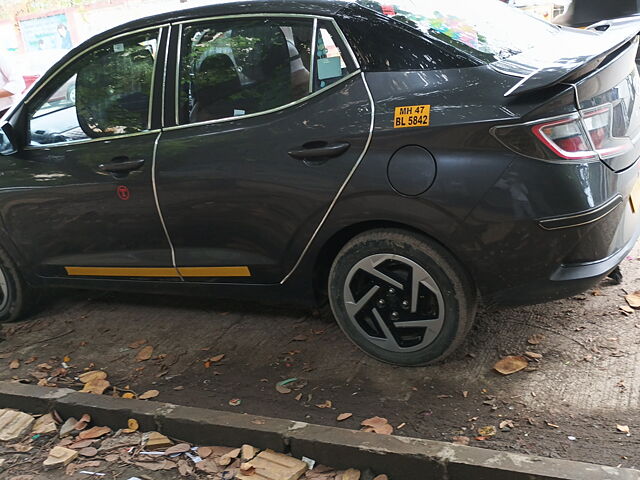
{"type": "Point", "coordinates": [123, 192]}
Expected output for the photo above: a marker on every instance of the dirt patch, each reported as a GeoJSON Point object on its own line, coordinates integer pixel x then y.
{"type": "Point", "coordinates": [565, 404]}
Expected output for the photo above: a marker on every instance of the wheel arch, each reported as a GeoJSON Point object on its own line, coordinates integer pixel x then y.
{"type": "Point", "coordinates": [326, 254]}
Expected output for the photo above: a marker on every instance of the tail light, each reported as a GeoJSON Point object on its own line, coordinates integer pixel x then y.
{"type": "Point", "coordinates": [584, 136]}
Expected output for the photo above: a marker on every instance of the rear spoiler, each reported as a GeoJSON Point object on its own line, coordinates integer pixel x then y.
{"type": "Point", "coordinates": [569, 69]}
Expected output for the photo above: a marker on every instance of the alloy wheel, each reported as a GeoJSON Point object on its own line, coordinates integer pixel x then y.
{"type": "Point", "coordinates": [394, 302]}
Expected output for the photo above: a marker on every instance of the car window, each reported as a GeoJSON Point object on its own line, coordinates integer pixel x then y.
{"type": "Point", "coordinates": [331, 62]}
{"type": "Point", "coordinates": [231, 68]}
{"type": "Point", "coordinates": [487, 30]}
{"type": "Point", "coordinates": [106, 93]}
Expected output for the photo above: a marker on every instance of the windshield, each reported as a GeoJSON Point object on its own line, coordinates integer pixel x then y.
{"type": "Point", "coordinates": [488, 30]}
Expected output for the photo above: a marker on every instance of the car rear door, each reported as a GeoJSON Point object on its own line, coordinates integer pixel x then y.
{"type": "Point", "coordinates": [272, 117]}
{"type": "Point", "coordinates": [78, 200]}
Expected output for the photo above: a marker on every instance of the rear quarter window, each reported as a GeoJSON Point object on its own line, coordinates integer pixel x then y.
{"type": "Point", "coordinates": [381, 45]}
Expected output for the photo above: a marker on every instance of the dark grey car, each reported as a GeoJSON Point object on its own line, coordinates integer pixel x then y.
{"type": "Point", "coordinates": [402, 161]}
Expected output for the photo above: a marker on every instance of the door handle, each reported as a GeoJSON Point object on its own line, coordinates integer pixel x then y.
{"type": "Point", "coordinates": [121, 165]}
{"type": "Point", "coordinates": [319, 150]}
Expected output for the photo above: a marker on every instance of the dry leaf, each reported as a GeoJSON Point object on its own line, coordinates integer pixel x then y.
{"type": "Point", "coordinates": [132, 426]}
{"type": "Point", "coordinates": [534, 355]}
{"type": "Point", "coordinates": [179, 448]}
{"type": "Point", "coordinates": [282, 389]}
{"type": "Point", "coordinates": [96, 386]}
{"type": "Point", "coordinates": [66, 359]}
{"type": "Point", "coordinates": [44, 366]}
{"type": "Point", "coordinates": [14, 364]}
{"type": "Point", "coordinates": [217, 358]}
{"type": "Point", "coordinates": [507, 423]}
{"type": "Point", "coordinates": [88, 452]}
{"type": "Point", "coordinates": [178, 388]}
{"type": "Point", "coordinates": [137, 344]}
{"type": "Point", "coordinates": [94, 432]}
{"type": "Point", "coordinates": [300, 338]}
{"type": "Point", "coordinates": [488, 431]}
{"type": "Point", "coordinates": [326, 404]}
{"type": "Point", "coordinates": [149, 394]}
{"type": "Point", "coordinates": [144, 353]}
{"type": "Point", "coordinates": [377, 425]}
{"type": "Point", "coordinates": [622, 428]}
{"type": "Point", "coordinates": [343, 416]}
{"type": "Point", "coordinates": [204, 452]}
{"type": "Point", "coordinates": [83, 422]}
{"type": "Point", "coordinates": [128, 395]}
{"type": "Point", "coordinates": [30, 360]}
{"type": "Point", "coordinates": [627, 309]}
{"type": "Point", "coordinates": [461, 440]}
{"type": "Point", "coordinates": [511, 364]}
{"type": "Point", "coordinates": [633, 299]}
{"type": "Point", "coordinates": [535, 339]}
{"type": "Point", "coordinates": [92, 375]}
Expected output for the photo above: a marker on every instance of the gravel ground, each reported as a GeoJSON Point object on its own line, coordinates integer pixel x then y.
{"type": "Point", "coordinates": [567, 404]}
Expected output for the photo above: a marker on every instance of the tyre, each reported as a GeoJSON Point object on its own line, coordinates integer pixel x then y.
{"type": "Point", "coordinates": [17, 299]}
{"type": "Point", "coordinates": [401, 298]}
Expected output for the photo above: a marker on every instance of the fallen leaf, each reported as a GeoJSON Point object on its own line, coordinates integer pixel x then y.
{"type": "Point", "coordinates": [144, 354]}
{"type": "Point", "coordinates": [622, 428]}
{"type": "Point", "coordinates": [535, 356]}
{"type": "Point", "coordinates": [66, 359]}
{"type": "Point", "coordinates": [204, 452]}
{"type": "Point", "coordinates": [298, 397]}
{"type": "Point", "coordinates": [14, 364]}
{"type": "Point", "coordinates": [30, 360]}
{"type": "Point", "coordinates": [81, 444]}
{"type": "Point", "coordinates": [96, 386]}
{"type": "Point", "coordinates": [511, 364]}
{"type": "Point", "coordinates": [507, 424]}
{"type": "Point", "coordinates": [535, 339]}
{"type": "Point", "coordinates": [94, 432]}
{"type": "Point", "coordinates": [488, 431]}
{"type": "Point", "coordinates": [83, 422]}
{"type": "Point", "coordinates": [128, 395]}
{"type": "Point", "coordinates": [137, 344]}
{"type": "Point", "coordinates": [179, 448]}
{"type": "Point", "coordinates": [343, 416]}
{"type": "Point", "coordinates": [282, 389]}
{"type": "Point", "coordinates": [465, 394]}
{"type": "Point", "coordinates": [217, 358]}
{"type": "Point", "coordinates": [184, 468]}
{"type": "Point", "coordinates": [92, 375]}
{"type": "Point", "coordinates": [326, 404]}
{"type": "Point", "coordinates": [132, 426]}
{"type": "Point", "coordinates": [178, 388]}
{"type": "Point", "coordinates": [461, 440]}
{"type": "Point", "coordinates": [377, 425]}
{"type": "Point", "coordinates": [633, 299]}
{"type": "Point", "coordinates": [300, 338]}
{"type": "Point", "coordinates": [44, 366]}
{"type": "Point", "coordinates": [149, 394]}
{"type": "Point", "coordinates": [627, 309]}
{"type": "Point", "coordinates": [88, 452]}
{"type": "Point", "coordinates": [20, 447]}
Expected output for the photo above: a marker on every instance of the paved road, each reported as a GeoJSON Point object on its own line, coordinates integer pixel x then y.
{"type": "Point", "coordinates": [586, 383]}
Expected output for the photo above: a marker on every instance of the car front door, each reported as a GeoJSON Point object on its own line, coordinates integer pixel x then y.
{"type": "Point", "coordinates": [78, 199]}
{"type": "Point", "coordinates": [272, 116]}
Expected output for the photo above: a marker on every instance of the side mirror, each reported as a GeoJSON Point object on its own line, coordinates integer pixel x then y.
{"type": "Point", "coordinates": [7, 139]}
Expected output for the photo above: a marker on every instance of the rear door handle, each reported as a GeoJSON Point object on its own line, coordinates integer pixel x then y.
{"type": "Point", "coordinates": [121, 165]}
{"type": "Point", "coordinates": [319, 150]}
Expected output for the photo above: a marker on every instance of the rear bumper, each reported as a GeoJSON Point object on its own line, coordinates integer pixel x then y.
{"type": "Point", "coordinates": [568, 279]}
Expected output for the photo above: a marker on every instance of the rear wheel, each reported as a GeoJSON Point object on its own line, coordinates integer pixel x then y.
{"type": "Point", "coordinates": [401, 297]}
{"type": "Point", "coordinates": [17, 299]}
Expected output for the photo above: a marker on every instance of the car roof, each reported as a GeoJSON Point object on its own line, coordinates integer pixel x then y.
{"type": "Point", "coordinates": [244, 7]}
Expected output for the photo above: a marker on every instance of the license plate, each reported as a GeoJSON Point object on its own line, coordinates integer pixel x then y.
{"type": "Point", "coordinates": [634, 199]}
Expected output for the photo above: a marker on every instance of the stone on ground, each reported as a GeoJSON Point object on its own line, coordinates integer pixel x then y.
{"type": "Point", "coordinates": [270, 465]}
{"type": "Point", "coordinates": [14, 424]}
{"type": "Point", "coordinates": [59, 457]}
